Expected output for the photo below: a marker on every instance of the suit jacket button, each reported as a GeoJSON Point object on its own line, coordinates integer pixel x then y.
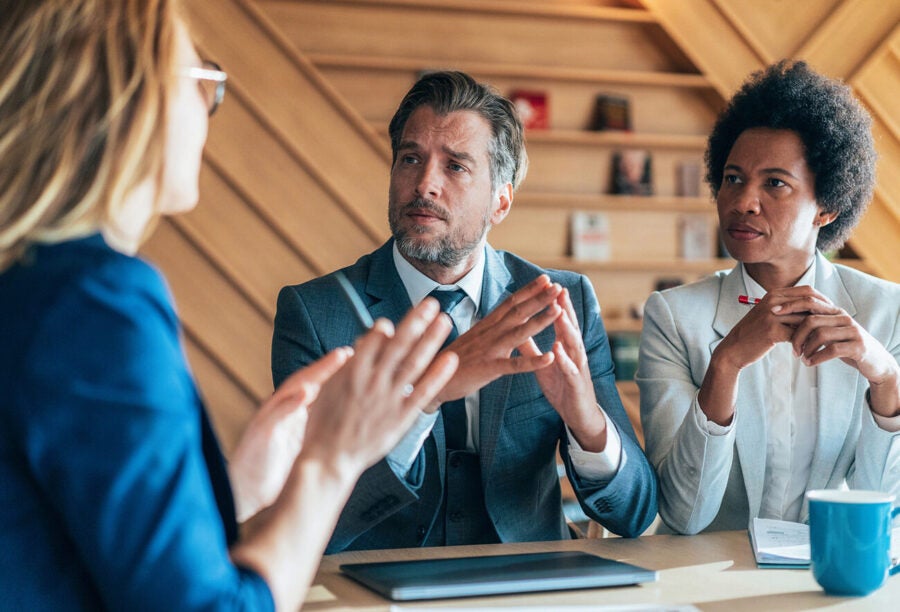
{"type": "Point", "coordinates": [455, 517]}
{"type": "Point", "coordinates": [420, 532]}
{"type": "Point", "coordinates": [454, 462]}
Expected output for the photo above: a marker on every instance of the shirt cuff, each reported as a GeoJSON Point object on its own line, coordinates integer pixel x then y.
{"type": "Point", "coordinates": [404, 454]}
{"type": "Point", "coordinates": [597, 466]}
{"type": "Point", "coordinates": [888, 424]}
{"type": "Point", "coordinates": [711, 427]}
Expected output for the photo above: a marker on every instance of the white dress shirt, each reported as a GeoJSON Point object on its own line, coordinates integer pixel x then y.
{"type": "Point", "coordinates": [791, 420]}
{"type": "Point", "coordinates": [589, 466]}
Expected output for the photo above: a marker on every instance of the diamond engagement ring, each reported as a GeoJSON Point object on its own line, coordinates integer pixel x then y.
{"type": "Point", "coordinates": [408, 389]}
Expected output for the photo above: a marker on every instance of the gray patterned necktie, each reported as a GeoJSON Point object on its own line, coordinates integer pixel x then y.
{"type": "Point", "coordinates": [454, 411]}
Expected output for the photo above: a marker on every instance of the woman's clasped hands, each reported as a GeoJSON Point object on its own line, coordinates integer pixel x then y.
{"type": "Point", "coordinates": [817, 330]}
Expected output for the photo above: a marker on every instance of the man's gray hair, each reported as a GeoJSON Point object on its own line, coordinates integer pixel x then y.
{"type": "Point", "coordinates": [450, 91]}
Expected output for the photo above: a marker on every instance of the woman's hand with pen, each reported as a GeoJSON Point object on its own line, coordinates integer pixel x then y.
{"type": "Point", "coordinates": [762, 327]}
{"type": "Point", "coordinates": [749, 341]}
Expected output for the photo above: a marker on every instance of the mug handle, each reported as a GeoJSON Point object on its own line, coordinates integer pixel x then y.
{"type": "Point", "coordinates": [896, 568]}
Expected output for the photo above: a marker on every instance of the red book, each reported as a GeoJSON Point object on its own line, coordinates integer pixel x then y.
{"type": "Point", "coordinates": [533, 108]}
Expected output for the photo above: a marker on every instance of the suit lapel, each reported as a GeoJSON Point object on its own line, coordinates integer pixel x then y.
{"type": "Point", "coordinates": [389, 296]}
{"type": "Point", "coordinates": [497, 280]}
{"type": "Point", "coordinates": [492, 397]}
{"type": "Point", "coordinates": [752, 393]}
{"type": "Point", "coordinates": [835, 379]}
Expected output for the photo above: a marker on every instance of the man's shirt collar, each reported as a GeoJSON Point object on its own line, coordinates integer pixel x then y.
{"type": "Point", "coordinates": [418, 286]}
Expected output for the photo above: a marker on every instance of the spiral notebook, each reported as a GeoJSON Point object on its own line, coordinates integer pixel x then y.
{"type": "Point", "coordinates": [494, 575]}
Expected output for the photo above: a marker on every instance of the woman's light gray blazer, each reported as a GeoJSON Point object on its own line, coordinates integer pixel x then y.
{"type": "Point", "coordinates": [716, 482]}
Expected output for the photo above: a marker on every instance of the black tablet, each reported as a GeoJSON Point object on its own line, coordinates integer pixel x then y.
{"type": "Point", "coordinates": [494, 575]}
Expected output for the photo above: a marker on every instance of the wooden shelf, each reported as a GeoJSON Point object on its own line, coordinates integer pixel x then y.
{"type": "Point", "coordinates": [518, 71]}
{"type": "Point", "coordinates": [662, 266]}
{"type": "Point", "coordinates": [613, 138]}
{"type": "Point", "coordinates": [612, 202]}
{"type": "Point", "coordinates": [673, 265]}
{"type": "Point", "coordinates": [667, 266]}
{"type": "Point", "coordinates": [601, 139]}
{"type": "Point", "coordinates": [618, 325]}
{"type": "Point", "coordinates": [525, 8]}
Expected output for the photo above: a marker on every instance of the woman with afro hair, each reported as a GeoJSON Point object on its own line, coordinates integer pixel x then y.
{"type": "Point", "coordinates": [781, 375]}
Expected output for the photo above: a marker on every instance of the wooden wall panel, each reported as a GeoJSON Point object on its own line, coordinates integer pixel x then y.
{"type": "Point", "coordinates": [709, 39]}
{"type": "Point", "coordinates": [214, 311]}
{"type": "Point", "coordinates": [775, 28]}
{"type": "Point", "coordinates": [877, 238]}
{"type": "Point", "coordinates": [888, 166]}
{"type": "Point", "coordinates": [230, 406]}
{"type": "Point", "coordinates": [878, 82]}
{"type": "Point", "coordinates": [290, 97]}
{"type": "Point", "coordinates": [852, 33]}
{"type": "Point", "coordinates": [422, 31]}
{"type": "Point", "coordinates": [292, 186]}
{"type": "Point", "coordinates": [250, 251]}
{"type": "Point", "coordinates": [281, 182]}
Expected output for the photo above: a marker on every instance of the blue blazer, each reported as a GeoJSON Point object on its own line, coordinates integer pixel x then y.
{"type": "Point", "coordinates": [716, 482]}
{"type": "Point", "coordinates": [519, 429]}
{"type": "Point", "coordinates": [113, 491]}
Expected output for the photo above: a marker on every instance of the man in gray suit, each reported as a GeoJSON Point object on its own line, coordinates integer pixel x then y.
{"type": "Point", "coordinates": [535, 370]}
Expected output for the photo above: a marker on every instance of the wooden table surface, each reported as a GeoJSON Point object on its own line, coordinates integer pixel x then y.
{"type": "Point", "coordinates": [712, 571]}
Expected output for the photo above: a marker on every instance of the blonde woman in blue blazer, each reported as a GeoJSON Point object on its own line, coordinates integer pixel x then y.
{"type": "Point", "coordinates": [781, 375]}
{"type": "Point", "coordinates": [114, 493]}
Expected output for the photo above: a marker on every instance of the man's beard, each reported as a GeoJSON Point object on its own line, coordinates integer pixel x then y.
{"type": "Point", "coordinates": [448, 250]}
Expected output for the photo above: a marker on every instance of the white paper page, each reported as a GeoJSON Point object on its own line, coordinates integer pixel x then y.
{"type": "Point", "coordinates": [559, 608]}
{"type": "Point", "coordinates": [780, 540]}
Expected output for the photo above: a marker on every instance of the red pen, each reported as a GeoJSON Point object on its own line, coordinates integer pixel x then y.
{"type": "Point", "coordinates": [743, 299]}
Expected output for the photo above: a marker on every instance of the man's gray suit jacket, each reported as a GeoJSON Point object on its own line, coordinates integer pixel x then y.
{"type": "Point", "coordinates": [519, 429]}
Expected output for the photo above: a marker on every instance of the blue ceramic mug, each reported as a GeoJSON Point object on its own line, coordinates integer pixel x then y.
{"type": "Point", "coordinates": [850, 540]}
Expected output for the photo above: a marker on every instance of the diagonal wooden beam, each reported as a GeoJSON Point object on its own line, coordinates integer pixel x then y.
{"type": "Point", "coordinates": [850, 35]}
{"type": "Point", "coordinates": [710, 40]}
{"type": "Point", "coordinates": [876, 240]}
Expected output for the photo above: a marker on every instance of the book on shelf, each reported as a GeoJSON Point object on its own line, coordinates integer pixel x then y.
{"type": "Point", "coordinates": [611, 112]}
{"type": "Point", "coordinates": [779, 544]}
{"type": "Point", "coordinates": [632, 172]}
{"type": "Point", "coordinates": [668, 283]}
{"type": "Point", "coordinates": [533, 107]}
{"type": "Point", "coordinates": [687, 179]}
{"type": "Point", "coordinates": [697, 238]}
{"type": "Point", "coordinates": [625, 348]}
{"type": "Point", "coordinates": [590, 236]}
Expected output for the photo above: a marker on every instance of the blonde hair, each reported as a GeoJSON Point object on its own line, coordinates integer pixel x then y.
{"type": "Point", "coordinates": [83, 92]}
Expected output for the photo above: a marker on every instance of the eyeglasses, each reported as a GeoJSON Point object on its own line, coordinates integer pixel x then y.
{"type": "Point", "coordinates": [211, 80]}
